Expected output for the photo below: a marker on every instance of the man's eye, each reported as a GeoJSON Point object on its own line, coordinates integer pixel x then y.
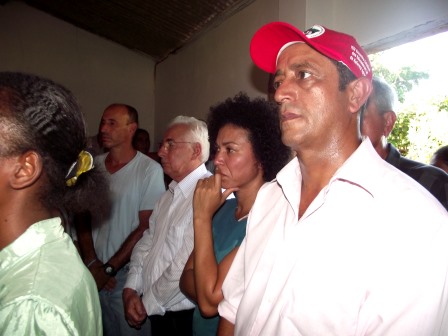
{"type": "Point", "coordinates": [276, 84]}
{"type": "Point", "coordinates": [303, 74]}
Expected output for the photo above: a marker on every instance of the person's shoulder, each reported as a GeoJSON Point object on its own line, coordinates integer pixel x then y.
{"type": "Point", "coordinates": [61, 254]}
{"type": "Point", "coordinates": [405, 194]}
{"type": "Point", "coordinates": [422, 172]}
{"type": "Point", "coordinates": [145, 161]}
{"type": "Point", "coordinates": [269, 193]}
{"type": "Point", "coordinates": [100, 159]}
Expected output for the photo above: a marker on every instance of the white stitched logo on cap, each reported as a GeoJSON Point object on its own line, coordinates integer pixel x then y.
{"type": "Point", "coordinates": [315, 31]}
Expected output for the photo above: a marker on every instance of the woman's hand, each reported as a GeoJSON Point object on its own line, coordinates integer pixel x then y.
{"type": "Point", "coordinates": [208, 197]}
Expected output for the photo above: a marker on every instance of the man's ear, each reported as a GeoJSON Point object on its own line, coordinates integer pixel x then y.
{"type": "Point", "coordinates": [359, 91]}
{"type": "Point", "coordinates": [26, 171]}
{"type": "Point", "coordinates": [389, 121]}
{"type": "Point", "coordinates": [133, 128]}
{"type": "Point", "coordinates": [197, 150]}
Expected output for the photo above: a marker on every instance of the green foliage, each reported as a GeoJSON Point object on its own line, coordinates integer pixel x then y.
{"type": "Point", "coordinates": [443, 105]}
{"type": "Point", "coordinates": [402, 80]}
{"type": "Point", "coordinates": [399, 135]}
{"type": "Point", "coordinates": [428, 131]}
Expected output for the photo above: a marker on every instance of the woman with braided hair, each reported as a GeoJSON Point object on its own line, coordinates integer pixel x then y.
{"type": "Point", "coordinates": [44, 172]}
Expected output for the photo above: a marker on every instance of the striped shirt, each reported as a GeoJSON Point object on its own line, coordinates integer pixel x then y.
{"type": "Point", "coordinates": [158, 259]}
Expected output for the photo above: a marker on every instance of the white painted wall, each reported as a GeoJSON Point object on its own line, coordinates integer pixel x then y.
{"type": "Point", "coordinates": [218, 64]}
{"type": "Point", "coordinates": [375, 23]}
{"type": "Point", "coordinates": [99, 72]}
{"type": "Point", "coordinates": [215, 66]}
{"type": "Point", "coordinates": [293, 12]}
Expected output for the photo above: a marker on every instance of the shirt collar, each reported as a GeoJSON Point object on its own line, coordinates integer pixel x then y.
{"type": "Point", "coordinates": [357, 169]}
{"type": "Point", "coordinates": [188, 183]}
{"type": "Point", "coordinates": [394, 156]}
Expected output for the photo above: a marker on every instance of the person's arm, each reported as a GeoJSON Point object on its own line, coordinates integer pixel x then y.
{"type": "Point", "coordinates": [153, 189]}
{"type": "Point", "coordinates": [87, 249]}
{"type": "Point", "coordinates": [134, 310]}
{"type": "Point", "coordinates": [225, 328]}
{"type": "Point", "coordinates": [186, 283]}
{"type": "Point", "coordinates": [82, 223]}
{"type": "Point", "coordinates": [165, 292]}
{"type": "Point", "coordinates": [208, 275]}
{"type": "Point", "coordinates": [123, 255]}
{"type": "Point", "coordinates": [37, 316]}
{"type": "Point", "coordinates": [151, 193]}
{"type": "Point", "coordinates": [118, 260]}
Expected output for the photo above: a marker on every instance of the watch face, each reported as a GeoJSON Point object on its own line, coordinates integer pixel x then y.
{"type": "Point", "coordinates": [109, 270]}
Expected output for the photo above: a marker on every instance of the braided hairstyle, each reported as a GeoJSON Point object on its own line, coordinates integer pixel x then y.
{"type": "Point", "coordinates": [39, 115]}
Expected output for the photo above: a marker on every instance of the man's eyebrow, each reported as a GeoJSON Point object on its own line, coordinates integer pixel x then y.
{"type": "Point", "coordinates": [278, 73]}
{"type": "Point", "coordinates": [295, 66]}
{"type": "Point", "coordinates": [108, 119]}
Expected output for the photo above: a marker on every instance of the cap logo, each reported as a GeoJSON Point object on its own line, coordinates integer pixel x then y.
{"type": "Point", "coordinates": [358, 59]}
{"type": "Point", "coordinates": [314, 31]}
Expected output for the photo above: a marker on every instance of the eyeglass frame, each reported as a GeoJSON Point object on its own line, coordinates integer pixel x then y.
{"type": "Point", "coordinates": [169, 144]}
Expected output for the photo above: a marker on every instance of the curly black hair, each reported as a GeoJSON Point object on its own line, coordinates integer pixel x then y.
{"type": "Point", "coordinates": [260, 118]}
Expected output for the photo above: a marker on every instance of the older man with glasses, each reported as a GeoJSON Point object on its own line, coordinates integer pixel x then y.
{"type": "Point", "coordinates": [152, 287]}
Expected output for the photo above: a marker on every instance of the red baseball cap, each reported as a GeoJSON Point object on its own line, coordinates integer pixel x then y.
{"type": "Point", "coordinates": [272, 38]}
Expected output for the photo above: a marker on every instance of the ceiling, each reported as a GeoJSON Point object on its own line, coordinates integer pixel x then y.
{"type": "Point", "coordinates": [156, 28]}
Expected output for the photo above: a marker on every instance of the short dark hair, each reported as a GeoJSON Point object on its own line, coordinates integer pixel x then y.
{"type": "Point", "coordinates": [346, 76]}
{"type": "Point", "coordinates": [441, 154]}
{"type": "Point", "coordinates": [260, 118]}
{"type": "Point", "coordinates": [132, 112]}
{"type": "Point", "coordinates": [40, 115]}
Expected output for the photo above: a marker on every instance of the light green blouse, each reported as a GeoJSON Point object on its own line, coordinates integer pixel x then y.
{"type": "Point", "coordinates": [45, 289]}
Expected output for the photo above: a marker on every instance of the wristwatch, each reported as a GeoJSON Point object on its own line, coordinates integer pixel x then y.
{"type": "Point", "coordinates": [109, 269]}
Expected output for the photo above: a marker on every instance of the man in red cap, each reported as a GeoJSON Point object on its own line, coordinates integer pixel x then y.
{"type": "Point", "coordinates": [326, 251]}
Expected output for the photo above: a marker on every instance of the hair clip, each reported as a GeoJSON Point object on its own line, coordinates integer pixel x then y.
{"type": "Point", "coordinates": [83, 164]}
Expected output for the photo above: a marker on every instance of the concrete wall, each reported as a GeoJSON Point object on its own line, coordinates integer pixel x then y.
{"type": "Point", "coordinates": [215, 66]}
{"type": "Point", "coordinates": [97, 71]}
{"type": "Point", "coordinates": [218, 64]}
{"type": "Point", "coordinates": [380, 24]}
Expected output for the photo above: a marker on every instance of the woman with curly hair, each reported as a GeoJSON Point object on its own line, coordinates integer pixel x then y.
{"type": "Point", "coordinates": [45, 289]}
{"type": "Point", "coordinates": [247, 151]}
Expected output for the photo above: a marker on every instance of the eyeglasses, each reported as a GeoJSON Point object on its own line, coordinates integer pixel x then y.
{"type": "Point", "coordinates": [171, 144]}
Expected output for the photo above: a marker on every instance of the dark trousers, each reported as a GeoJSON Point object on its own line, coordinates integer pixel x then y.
{"type": "Point", "coordinates": [178, 323]}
